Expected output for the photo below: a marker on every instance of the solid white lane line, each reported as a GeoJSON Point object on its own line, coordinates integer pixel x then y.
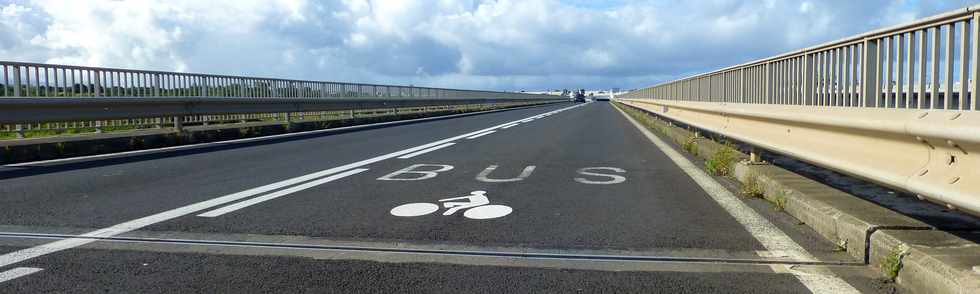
{"type": "Point", "coordinates": [508, 126]}
{"type": "Point", "coordinates": [764, 231]}
{"type": "Point", "coordinates": [280, 193]}
{"type": "Point", "coordinates": [17, 273]}
{"type": "Point", "coordinates": [407, 156]}
{"type": "Point", "coordinates": [45, 249]}
{"type": "Point", "coordinates": [480, 135]}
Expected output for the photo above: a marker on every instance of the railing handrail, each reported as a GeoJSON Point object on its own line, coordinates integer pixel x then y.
{"type": "Point", "coordinates": [205, 75]}
{"type": "Point", "coordinates": [919, 35]}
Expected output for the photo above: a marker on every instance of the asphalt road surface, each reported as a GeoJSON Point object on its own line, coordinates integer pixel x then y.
{"type": "Point", "coordinates": [559, 198]}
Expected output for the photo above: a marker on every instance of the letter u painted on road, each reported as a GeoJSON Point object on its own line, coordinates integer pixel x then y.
{"type": "Point", "coordinates": [609, 178]}
{"type": "Point", "coordinates": [417, 172]}
{"type": "Point", "coordinates": [484, 176]}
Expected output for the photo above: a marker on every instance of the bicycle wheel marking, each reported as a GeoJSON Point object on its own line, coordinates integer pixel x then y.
{"type": "Point", "coordinates": [414, 209]}
{"type": "Point", "coordinates": [488, 212]}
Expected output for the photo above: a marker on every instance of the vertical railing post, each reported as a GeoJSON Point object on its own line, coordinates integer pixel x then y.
{"type": "Point", "coordinates": [807, 79]}
{"type": "Point", "coordinates": [767, 83]}
{"type": "Point", "coordinates": [974, 63]}
{"type": "Point", "coordinates": [97, 88]}
{"type": "Point", "coordinates": [869, 73]}
{"type": "Point", "coordinates": [16, 81]}
{"type": "Point", "coordinates": [741, 85]}
{"type": "Point", "coordinates": [205, 83]}
{"type": "Point", "coordinates": [156, 85]}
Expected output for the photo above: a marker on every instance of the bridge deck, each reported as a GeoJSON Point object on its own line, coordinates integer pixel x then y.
{"type": "Point", "coordinates": [595, 207]}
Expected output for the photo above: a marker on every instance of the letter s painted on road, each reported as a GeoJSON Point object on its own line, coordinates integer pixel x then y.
{"type": "Point", "coordinates": [612, 179]}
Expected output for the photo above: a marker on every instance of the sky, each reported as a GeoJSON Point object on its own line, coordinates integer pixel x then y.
{"type": "Point", "coordinates": [469, 44]}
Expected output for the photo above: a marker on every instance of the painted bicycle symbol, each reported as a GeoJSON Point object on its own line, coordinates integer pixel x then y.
{"type": "Point", "coordinates": [476, 206]}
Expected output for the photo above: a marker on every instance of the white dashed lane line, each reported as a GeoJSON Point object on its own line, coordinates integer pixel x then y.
{"type": "Point", "coordinates": [407, 156]}
{"type": "Point", "coordinates": [17, 273]}
{"type": "Point", "coordinates": [280, 193]}
{"type": "Point", "coordinates": [480, 135]}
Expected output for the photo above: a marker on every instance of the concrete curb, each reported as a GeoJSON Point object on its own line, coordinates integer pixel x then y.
{"type": "Point", "coordinates": [30, 150]}
{"type": "Point", "coordinates": [930, 261]}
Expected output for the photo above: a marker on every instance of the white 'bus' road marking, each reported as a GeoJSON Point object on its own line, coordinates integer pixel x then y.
{"type": "Point", "coordinates": [407, 156]}
{"type": "Point", "coordinates": [280, 193]}
{"type": "Point", "coordinates": [765, 232]}
{"type": "Point", "coordinates": [17, 273]}
{"type": "Point", "coordinates": [45, 249]}
{"type": "Point", "coordinates": [480, 135]}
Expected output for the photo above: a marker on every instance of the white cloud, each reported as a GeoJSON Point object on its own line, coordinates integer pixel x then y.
{"type": "Point", "coordinates": [504, 44]}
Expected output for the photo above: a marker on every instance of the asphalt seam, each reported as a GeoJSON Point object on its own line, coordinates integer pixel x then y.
{"type": "Point", "coordinates": [404, 250]}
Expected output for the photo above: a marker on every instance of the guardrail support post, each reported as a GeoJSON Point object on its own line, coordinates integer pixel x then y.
{"type": "Point", "coordinates": [179, 124]}
{"type": "Point", "coordinates": [754, 155]}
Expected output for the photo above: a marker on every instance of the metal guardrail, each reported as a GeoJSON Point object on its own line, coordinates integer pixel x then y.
{"type": "Point", "coordinates": [46, 96]}
{"type": "Point", "coordinates": [895, 106]}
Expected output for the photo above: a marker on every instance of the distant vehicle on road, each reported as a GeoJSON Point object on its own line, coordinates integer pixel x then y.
{"type": "Point", "coordinates": [579, 96]}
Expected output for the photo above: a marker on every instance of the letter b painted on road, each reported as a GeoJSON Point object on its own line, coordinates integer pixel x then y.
{"type": "Point", "coordinates": [416, 172]}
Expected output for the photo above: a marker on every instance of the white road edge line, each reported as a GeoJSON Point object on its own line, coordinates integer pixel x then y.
{"type": "Point", "coordinates": [407, 156]}
{"type": "Point", "coordinates": [253, 201]}
{"type": "Point", "coordinates": [234, 141]}
{"type": "Point", "coordinates": [764, 231]}
{"type": "Point", "coordinates": [17, 273]}
{"type": "Point", "coordinates": [45, 249]}
{"type": "Point", "coordinates": [480, 135]}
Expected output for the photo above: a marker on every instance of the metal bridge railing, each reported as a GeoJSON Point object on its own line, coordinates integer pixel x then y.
{"type": "Point", "coordinates": [48, 80]}
{"type": "Point", "coordinates": [926, 64]}
{"type": "Point", "coordinates": [47, 97]}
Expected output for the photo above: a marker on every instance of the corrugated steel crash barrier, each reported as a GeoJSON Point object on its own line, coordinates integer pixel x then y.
{"type": "Point", "coordinates": [931, 153]}
{"type": "Point", "coordinates": [896, 106]}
